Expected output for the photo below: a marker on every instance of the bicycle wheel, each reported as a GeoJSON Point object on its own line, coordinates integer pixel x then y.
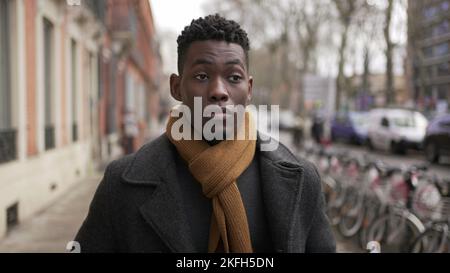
{"type": "Point", "coordinates": [372, 211]}
{"type": "Point", "coordinates": [335, 203]}
{"type": "Point", "coordinates": [335, 206]}
{"type": "Point", "coordinates": [433, 240]}
{"type": "Point", "coordinates": [396, 232]}
{"type": "Point", "coordinates": [352, 216]}
{"type": "Point", "coordinates": [351, 224]}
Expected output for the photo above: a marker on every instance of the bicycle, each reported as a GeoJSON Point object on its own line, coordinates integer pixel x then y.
{"type": "Point", "coordinates": [399, 226]}
{"type": "Point", "coordinates": [433, 200]}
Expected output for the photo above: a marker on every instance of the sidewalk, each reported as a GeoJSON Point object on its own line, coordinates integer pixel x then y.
{"type": "Point", "coordinates": [50, 230]}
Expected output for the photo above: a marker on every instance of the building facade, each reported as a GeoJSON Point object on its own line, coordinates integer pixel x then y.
{"type": "Point", "coordinates": [130, 73]}
{"type": "Point", "coordinates": [428, 62]}
{"type": "Point", "coordinates": [67, 77]}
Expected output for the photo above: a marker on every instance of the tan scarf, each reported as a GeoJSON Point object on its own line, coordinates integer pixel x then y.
{"type": "Point", "coordinates": [217, 168]}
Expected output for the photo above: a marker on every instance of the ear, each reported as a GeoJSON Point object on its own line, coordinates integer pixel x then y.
{"type": "Point", "coordinates": [250, 89]}
{"type": "Point", "coordinates": [175, 87]}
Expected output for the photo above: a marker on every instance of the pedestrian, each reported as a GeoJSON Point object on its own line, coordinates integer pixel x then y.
{"type": "Point", "coordinates": [297, 132]}
{"type": "Point", "coordinates": [208, 196]}
{"type": "Point", "coordinates": [317, 128]}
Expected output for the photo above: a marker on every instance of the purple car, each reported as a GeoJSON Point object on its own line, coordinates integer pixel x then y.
{"type": "Point", "coordinates": [350, 127]}
{"type": "Point", "coordinates": [437, 138]}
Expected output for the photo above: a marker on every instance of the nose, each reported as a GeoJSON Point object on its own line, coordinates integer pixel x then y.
{"type": "Point", "coordinates": [218, 92]}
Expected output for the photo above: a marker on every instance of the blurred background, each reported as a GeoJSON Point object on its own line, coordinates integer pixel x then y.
{"type": "Point", "coordinates": [83, 82]}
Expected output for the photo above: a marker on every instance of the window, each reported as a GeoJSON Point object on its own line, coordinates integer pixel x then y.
{"type": "Point", "coordinates": [130, 94]}
{"type": "Point", "coordinates": [441, 49]}
{"type": "Point", "coordinates": [440, 29]}
{"type": "Point", "coordinates": [93, 81]}
{"type": "Point", "coordinates": [111, 124]}
{"type": "Point", "coordinates": [404, 121]}
{"type": "Point", "coordinates": [428, 32]}
{"type": "Point", "coordinates": [430, 72]}
{"type": "Point", "coordinates": [12, 216]}
{"type": "Point", "coordinates": [131, 107]}
{"type": "Point", "coordinates": [430, 12]}
{"type": "Point", "coordinates": [384, 122]}
{"type": "Point", "coordinates": [48, 85]}
{"type": "Point", "coordinates": [443, 69]}
{"type": "Point", "coordinates": [443, 91]}
{"type": "Point", "coordinates": [428, 52]}
{"type": "Point", "coordinates": [142, 102]}
{"type": "Point", "coordinates": [8, 150]}
{"type": "Point", "coordinates": [74, 86]}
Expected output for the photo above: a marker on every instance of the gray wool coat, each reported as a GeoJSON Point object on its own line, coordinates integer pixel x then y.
{"type": "Point", "coordinates": [136, 207]}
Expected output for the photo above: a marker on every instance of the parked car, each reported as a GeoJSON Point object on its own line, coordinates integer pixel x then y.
{"type": "Point", "coordinates": [437, 139]}
{"type": "Point", "coordinates": [351, 127]}
{"type": "Point", "coordinates": [396, 129]}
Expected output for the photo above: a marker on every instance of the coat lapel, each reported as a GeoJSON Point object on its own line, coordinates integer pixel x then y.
{"type": "Point", "coordinates": [281, 180]}
{"type": "Point", "coordinates": [163, 213]}
{"type": "Point", "coordinates": [153, 166]}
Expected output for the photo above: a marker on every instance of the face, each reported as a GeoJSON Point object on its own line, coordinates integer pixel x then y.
{"type": "Point", "coordinates": [214, 71]}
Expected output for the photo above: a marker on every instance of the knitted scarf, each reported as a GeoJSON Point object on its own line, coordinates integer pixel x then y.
{"type": "Point", "coordinates": [216, 168]}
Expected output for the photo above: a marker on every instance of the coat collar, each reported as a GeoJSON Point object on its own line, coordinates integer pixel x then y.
{"type": "Point", "coordinates": [153, 165]}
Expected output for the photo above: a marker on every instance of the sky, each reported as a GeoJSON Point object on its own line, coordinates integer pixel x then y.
{"type": "Point", "coordinates": [170, 17]}
{"type": "Point", "coordinates": [173, 15]}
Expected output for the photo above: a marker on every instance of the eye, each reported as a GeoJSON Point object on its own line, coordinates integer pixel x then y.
{"type": "Point", "coordinates": [235, 78]}
{"type": "Point", "coordinates": [201, 77]}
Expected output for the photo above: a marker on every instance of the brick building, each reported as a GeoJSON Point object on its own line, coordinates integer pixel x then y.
{"type": "Point", "coordinates": [69, 71]}
{"type": "Point", "coordinates": [129, 101]}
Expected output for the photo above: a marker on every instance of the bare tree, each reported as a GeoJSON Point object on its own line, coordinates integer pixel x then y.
{"type": "Point", "coordinates": [346, 10]}
{"type": "Point", "coordinates": [371, 36]}
{"type": "Point", "coordinates": [309, 17]}
{"type": "Point", "coordinates": [288, 32]}
{"type": "Point", "coordinates": [395, 24]}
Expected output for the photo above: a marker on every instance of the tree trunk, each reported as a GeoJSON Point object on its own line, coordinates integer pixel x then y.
{"type": "Point", "coordinates": [389, 52]}
{"type": "Point", "coordinates": [340, 82]}
{"type": "Point", "coordinates": [366, 80]}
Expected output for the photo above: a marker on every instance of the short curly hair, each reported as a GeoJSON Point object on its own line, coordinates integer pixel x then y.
{"type": "Point", "coordinates": [211, 27]}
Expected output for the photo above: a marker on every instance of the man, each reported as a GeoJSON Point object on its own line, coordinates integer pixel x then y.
{"type": "Point", "coordinates": [208, 196]}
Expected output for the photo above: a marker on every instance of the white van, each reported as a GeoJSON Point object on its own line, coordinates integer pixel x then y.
{"type": "Point", "coordinates": [396, 130]}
